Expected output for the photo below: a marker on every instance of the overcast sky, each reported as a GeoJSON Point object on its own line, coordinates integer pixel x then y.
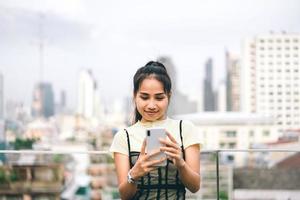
{"type": "Point", "coordinates": [114, 38]}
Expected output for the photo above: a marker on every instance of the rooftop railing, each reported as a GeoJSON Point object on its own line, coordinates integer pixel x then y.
{"type": "Point", "coordinates": [223, 172]}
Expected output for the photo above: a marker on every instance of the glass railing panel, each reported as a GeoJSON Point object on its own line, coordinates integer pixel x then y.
{"type": "Point", "coordinates": [57, 176]}
{"type": "Point", "coordinates": [255, 175]}
{"type": "Point", "coordinates": [91, 175]}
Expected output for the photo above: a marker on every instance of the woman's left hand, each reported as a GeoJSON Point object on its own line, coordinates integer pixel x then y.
{"type": "Point", "coordinates": [173, 150]}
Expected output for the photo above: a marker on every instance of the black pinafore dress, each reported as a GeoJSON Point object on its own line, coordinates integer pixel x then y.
{"type": "Point", "coordinates": [162, 183]}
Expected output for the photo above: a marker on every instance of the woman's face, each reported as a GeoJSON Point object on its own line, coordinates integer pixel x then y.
{"type": "Point", "coordinates": [151, 100]}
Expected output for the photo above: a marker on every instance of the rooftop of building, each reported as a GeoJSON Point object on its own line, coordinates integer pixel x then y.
{"type": "Point", "coordinates": [227, 118]}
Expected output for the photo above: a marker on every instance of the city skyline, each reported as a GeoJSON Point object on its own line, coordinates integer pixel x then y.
{"type": "Point", "coordinates": [113, 40]}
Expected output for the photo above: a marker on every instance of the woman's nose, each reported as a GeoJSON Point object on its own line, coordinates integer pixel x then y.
{"type": "Point", "coordinates": [151, 105]}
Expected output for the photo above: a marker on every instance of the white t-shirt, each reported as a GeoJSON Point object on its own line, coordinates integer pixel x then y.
{"type": "Point", "coordinates": [137, 133]}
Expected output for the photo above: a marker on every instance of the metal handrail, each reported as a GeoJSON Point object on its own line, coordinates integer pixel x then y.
{"type": "Point", "coordinates": [107, 152]}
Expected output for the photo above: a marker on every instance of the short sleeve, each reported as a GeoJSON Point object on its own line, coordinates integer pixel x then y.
{"type": "Point", "coordinates": [190, 134]}
{"type": "Point", "coordinates": [119, 143]}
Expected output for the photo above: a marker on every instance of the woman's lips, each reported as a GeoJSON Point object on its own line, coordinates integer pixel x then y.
{"type": "Point", "coordinates": [151, 112]}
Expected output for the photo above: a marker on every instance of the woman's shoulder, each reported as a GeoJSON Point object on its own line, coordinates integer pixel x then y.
{"type": "Point", "coordinates": [129, 129]}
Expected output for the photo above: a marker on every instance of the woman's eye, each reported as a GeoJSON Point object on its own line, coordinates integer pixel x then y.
{"type": "Point", "coordinates": [144, 98]}
{"type": "Point", "coordinates": [160, 98]}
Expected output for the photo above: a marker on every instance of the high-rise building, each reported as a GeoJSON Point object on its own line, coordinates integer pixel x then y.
{"type": "Point", "coordinates": [271, 77]}
{"type": "Point", "coordinates": [209, 98]}
{"type": "Point", "coordinates": [178, 99]}
{"type": "Point", "coordinates": [233, 82]}
{"type": "Point", "coordinates": [1, 96]}
{"type": "Point", "coordinates": [221, 97]}
{"type": "Point", "coordinates": [88, 96]}
{"type": "Point", "coordinates": [43, 100]}
{"type": "Point", "coordinates": [63, 99]}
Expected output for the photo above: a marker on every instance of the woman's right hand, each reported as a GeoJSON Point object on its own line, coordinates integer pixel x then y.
{"type": "Point", "coordinates": [143, 165]}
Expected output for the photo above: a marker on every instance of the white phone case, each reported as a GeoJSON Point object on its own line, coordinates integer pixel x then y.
{"type": "Point", "coordinates": [153, 144]}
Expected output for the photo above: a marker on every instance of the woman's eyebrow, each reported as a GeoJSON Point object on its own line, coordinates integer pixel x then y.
{"type": "Point", "coordinates": [144, 93]}
{"type": "Point", "coordinates": [159, 94]}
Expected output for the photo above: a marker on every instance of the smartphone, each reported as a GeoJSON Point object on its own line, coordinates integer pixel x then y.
{"type": "Point", "coordinates": [153, 144]}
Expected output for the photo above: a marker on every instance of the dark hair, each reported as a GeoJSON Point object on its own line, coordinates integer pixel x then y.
{"type": "Point", "coordinates": [156, 70]}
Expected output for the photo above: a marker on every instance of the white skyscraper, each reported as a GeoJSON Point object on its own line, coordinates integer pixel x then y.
{"type": "Point", "coordinates": [271, 78]}
{"type": "Point", "coordinates": [233, 82]}
{"type": "Point", "coordinates": [88, 97]}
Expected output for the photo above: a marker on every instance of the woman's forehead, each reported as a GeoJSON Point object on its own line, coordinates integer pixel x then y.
{"type": "Point", "coordinates": [151, 85]}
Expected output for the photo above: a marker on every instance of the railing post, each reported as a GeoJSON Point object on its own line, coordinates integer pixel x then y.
{"type": "Point", "coordinates": [217, 170]}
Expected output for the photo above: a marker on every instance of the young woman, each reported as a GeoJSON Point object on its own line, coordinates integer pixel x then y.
{"type": "Point", "coordinates": [138, 176]}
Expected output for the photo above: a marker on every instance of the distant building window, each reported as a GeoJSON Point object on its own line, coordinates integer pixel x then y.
{"type": "Point", "coordinates": [232, 145]}
{"type": "Point", "coordinates": [266, 133]}
{"type": "Point", "coordinates": [231, 133]}
{"type": "Point", "coordinates": [230, 158]}
{"type": "Point", "coordinates": [222, 145]}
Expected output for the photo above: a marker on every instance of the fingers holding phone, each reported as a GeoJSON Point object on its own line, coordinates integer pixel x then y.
{"type": "Point", "coordinates": [147, 161]}
{"type": "Point", "coordinates": [173, 150]}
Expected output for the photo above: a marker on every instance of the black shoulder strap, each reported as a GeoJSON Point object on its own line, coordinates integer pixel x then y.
{"type": "Point", "coordinates": [182, 147]}
{"type": "Point", "coordinates": [128, 143]}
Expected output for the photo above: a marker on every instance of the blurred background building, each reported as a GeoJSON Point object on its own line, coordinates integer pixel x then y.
{"type": "Point", "coordinates": [43, 100]}
{"type": "Point", "coordinates": [270, 78]}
